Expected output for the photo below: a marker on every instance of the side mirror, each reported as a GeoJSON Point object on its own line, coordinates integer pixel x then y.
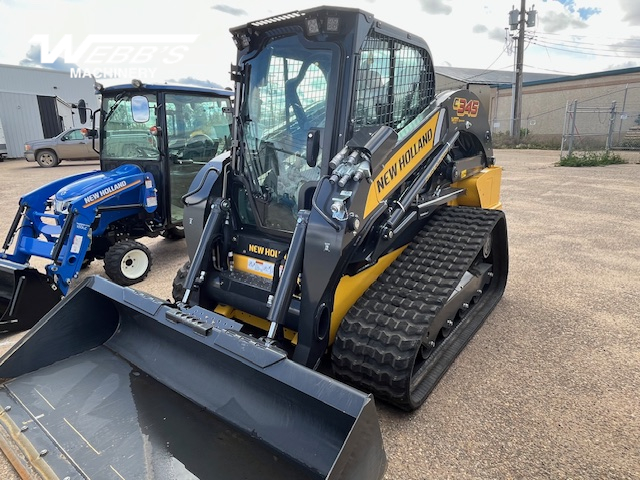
{"type": "Point", "coordinates": [313, 147]}
{"type": "Point", "coordinates": [82, 110]}
{"type": "Point", "coordinates": [140, 109]}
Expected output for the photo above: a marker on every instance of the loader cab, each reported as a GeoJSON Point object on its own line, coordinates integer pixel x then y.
{"type": "Point", "coordinates": [306, 83]}
{"type": "Point", "coordinates": [169, 131]}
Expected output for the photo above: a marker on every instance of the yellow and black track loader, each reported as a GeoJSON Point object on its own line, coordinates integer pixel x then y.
{"type": "Point", "coordinates": [347, 246]}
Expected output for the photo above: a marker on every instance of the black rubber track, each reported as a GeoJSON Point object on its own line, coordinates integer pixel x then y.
{"type": "Point", "coordinates": [379, 338]}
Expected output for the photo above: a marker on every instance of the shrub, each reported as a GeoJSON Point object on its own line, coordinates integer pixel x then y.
{"type": "Point", "coordinates": [590, 159]}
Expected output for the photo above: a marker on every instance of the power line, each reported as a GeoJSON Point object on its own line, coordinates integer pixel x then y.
{"type": "Point", "coordinates": [584, 49]}
{"type": "Point", "coordinates": [591, 53]}
{"type": "Point", "coordinates": [572, 36]}
{"type": "Point", "coordinates": [549, 70]}
{"type": "Point", "coordinates": [486, 69]}
{"type": "Point", "coordinates": [629, 50]}
{"type": "Point", "coordinates": [631, 44]}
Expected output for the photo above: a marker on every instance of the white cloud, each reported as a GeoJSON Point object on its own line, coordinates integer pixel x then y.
{"type": "Point", "coordinates": [558, 21]}
{"type": "Point", "coordinates": [436, 7]}
{"type": "Point", "coordinates": [450, 34]}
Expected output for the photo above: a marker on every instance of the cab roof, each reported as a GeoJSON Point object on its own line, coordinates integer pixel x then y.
{"type": "Point", "coordinates": [166, 87]}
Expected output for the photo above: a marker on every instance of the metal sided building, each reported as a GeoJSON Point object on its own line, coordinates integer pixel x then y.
{"type": "Point", "coordinates": [36, 103]}
{"type": "Point", "coordinates": [591, 105]}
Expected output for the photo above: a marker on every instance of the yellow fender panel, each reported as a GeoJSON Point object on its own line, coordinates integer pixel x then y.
{"type": "Point", "coordinates": [482, 190]}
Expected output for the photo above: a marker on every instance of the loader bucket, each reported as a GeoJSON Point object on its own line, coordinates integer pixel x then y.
{"type": "Point", "coordinates": [25, 296]}
{"type": "Point", "coordinates": [115, 384]}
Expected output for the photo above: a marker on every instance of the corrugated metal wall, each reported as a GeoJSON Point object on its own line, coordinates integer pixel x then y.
{"type": "Point", "coordinates": [20, 121]}
{"type": "Point", "coordinates": [19, 113]}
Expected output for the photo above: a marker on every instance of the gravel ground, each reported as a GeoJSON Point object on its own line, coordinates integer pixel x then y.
{"type": "Point", "coordinates": [548, 387]}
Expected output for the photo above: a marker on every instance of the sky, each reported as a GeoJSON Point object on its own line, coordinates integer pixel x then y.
{"type": "Point", "coordinates": [189, 40]}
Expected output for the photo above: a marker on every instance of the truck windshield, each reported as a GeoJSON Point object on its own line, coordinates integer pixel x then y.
{"type": "Point", "coordinates": [122, 136]}
{"type": "Point", "coordinates": [286, 98]}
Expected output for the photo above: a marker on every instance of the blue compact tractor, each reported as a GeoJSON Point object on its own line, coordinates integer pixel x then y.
{"type": "Point", "coordinates": [153, 139]}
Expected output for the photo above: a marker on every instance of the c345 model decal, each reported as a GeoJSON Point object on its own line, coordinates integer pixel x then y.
{"type": "Point", "coordinates": [463, 107]}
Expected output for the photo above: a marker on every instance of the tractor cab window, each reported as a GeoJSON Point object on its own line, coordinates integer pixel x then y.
{"type": "Point", "coordinates": [286, 100]}
{"type": "Point", "coordinates": [394, 83]}
{"type": "Point", "coordinates": [198, 127]}
{"type": "Point", "coordinates": [123, 137]}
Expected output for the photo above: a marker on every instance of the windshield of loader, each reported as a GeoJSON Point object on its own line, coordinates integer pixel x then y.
{"type": "Point", "coordinates": [123, 136]}
{"type": "Point", "coordinates": [286, 98]}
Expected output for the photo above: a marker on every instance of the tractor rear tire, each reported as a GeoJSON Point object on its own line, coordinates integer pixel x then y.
{"type": "Point", "coordinates": [174, 233]}
{"type": "Point", "coordinates": [127, 262]}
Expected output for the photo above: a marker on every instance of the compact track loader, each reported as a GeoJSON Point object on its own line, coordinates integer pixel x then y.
{"type": "Point", "coordinates": [154, 139]}
{"type": "Point", "coordinates": [350, 241]}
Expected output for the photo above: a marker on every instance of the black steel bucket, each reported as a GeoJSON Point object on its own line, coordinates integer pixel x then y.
{"type": "Point", "coordinates": [113, 383]}
{"type": "Point", "coordinates": [25, 296]}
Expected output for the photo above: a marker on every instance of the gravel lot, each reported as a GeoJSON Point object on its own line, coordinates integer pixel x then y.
{"type": "Point", "coordinates": [548, 388]}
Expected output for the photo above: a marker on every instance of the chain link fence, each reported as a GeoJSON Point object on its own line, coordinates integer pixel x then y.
{"type": "Point", "coordinates": [599, 127]}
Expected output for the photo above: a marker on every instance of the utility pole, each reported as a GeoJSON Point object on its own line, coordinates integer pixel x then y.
{"type": "Point", "coordinates": [518, 19]}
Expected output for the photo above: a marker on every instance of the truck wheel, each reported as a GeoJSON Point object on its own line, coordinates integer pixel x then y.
{"type": "Point", "coordinates": [47, 158]}
{"type": "Point", "coordinates": [178, 282]}
{"type": "Point", "coordinates": [127, 262]}
{"type": "Point", "coordinates": [174, 233]}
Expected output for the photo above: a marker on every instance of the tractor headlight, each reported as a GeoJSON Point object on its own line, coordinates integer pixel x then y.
{"type": "Point", "coordinates": [61, 206]}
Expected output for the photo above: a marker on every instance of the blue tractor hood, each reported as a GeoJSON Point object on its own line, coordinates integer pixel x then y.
{"type": "Point", "coordinates": [127, 184]}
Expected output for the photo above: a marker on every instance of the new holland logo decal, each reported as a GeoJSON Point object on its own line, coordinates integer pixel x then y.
{"type": "Point", "coordinates": [107, 192]}
{"type": "Point", "coordinates": [402, 163]}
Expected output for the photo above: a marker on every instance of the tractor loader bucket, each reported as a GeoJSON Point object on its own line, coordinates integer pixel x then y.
{"type": "Point", "coordinates": [25, 296]}
{"type": "Point", "coordinates": [115, 384]}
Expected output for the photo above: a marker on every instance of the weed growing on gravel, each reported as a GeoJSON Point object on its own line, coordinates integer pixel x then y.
{"type": "Point", "coordinates": [591, 159]}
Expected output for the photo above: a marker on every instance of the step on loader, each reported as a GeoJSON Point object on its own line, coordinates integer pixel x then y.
{"type": "Point", "coordinates": [154, 139]}
{"type": "Point", "coordinates": [346, 248]}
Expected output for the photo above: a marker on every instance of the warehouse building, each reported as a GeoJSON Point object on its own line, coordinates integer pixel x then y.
{"type": "Point", "coordinates": [596, 107]}
{"type": "Point", "coordinates": [591, 106]}
{"type": "Point", "coordinates": [38, 103]}
{"type": "Point", "coordinates": [481, 82]}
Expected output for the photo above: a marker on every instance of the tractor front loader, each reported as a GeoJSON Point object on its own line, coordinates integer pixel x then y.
{"type": "Point", "coordinates": [353, 228]}
{"type": "Point", "coordinates": [154, 139]}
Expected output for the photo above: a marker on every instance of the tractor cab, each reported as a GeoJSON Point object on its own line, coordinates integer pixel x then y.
{"type": "Point", "coordinates": [169, 131]}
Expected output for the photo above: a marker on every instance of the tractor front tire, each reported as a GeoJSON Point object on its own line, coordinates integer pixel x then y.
{"type": "Point", "coordinates": [127, 262]}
